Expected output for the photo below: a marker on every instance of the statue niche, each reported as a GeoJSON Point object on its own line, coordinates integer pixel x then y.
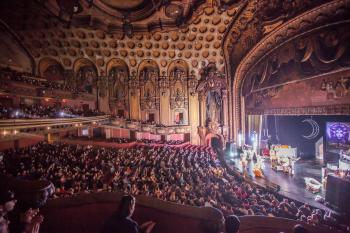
{"type": "Point", "coordinates": [210, 89]}
{"type": "Point", "coordinates": [213, 103]}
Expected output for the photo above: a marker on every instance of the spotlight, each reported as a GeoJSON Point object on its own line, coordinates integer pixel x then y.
{"type": "Point", "coordinates": [62, 114]}
{"type": "Point", "coordinates": [48, 127]}
{"type": "Point", "coordinates": [15, 132]}
{"type": "Point", "coordinates": [4, 132]}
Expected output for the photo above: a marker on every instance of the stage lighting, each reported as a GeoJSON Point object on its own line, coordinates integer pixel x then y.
{"type": "Point", "coordinates": [62, 114]}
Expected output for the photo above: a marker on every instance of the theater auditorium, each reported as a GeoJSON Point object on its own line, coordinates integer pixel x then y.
{"type": "Point", "coordinates": [175, 116]}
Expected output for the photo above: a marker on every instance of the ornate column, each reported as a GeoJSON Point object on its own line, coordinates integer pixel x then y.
{"type": "Point", "coordinates": [201, 99]}
{"type": "Point", "coordinates": [225, 128]}
{"type": "Point", "coordinates": [202, 129]}
{"type": "Point", "coordinates": [193, 107]}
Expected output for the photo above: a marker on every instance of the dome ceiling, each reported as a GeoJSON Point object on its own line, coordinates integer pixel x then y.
{"type": "Point", "coordinates": [122, 4]}
{"type": "Point", "coordinates": [129, 16]}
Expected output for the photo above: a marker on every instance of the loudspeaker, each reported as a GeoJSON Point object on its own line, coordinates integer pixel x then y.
{"type": "Point", "coordinates": [338, 192]}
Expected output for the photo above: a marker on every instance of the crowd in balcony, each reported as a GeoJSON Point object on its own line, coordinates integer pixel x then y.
{"type": "Point", "coordinates": [7, 75]}
{"type": "Point", "coordinates": [189, 175]}
{"type": "Point", "coordinates": [37, 111]}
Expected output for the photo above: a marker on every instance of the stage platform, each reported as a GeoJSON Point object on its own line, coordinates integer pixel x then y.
{"type": "Point", "coordinates": [290, 186]}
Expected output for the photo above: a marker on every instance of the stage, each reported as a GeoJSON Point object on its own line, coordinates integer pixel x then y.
{"type": "Point", "coordinates": [290, 186]}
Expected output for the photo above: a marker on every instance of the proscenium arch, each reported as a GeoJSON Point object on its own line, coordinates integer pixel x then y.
{"type": "Point", "coordinates": [116, 62]}
{"type": "Point", "coordinates": [286, 32]}
{"type": "Point", "coordinates": [45, 63]}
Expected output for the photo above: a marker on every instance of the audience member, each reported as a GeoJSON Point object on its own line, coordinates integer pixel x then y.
{"type": "Point", "coordinates": [121, 220]}
{"type": "Point", "coordinates": [300, 229]}
{"type": "Point", "coordinates": [232, 224]}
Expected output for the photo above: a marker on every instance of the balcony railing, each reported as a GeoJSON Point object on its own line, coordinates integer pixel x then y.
{"type": "Point", "coordinates": [19, 124]}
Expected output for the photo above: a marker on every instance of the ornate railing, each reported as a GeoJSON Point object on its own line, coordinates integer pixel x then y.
{"type": "Point", "coordinates": [19, 124]}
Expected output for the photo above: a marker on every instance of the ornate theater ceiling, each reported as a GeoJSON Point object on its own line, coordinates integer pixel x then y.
{"type": "Point", "coordinates": [94, 30]}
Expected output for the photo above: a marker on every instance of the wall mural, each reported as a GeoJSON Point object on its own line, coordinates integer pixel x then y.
{"type": "Point", "coordinates": [118, 88]}
{"type": "Point", "coordinates": [291, 69]}
{"type": "Point", "coordinates": [86, 78]}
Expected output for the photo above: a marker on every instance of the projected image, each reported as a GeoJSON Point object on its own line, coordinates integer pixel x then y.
{"type": "Point", "coordinates": [338, 135]}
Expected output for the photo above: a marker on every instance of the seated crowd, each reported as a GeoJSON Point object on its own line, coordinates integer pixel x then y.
{"type": "Point", "coordinates": [189, 175]}
{"type": "Point", "coordinates": [36, 111]}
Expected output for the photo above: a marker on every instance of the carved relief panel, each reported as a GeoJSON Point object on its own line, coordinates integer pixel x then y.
{"type": "Point", "coordinates": [294, 74]}
{"type": "Point", "coordinates": [178, 86]}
